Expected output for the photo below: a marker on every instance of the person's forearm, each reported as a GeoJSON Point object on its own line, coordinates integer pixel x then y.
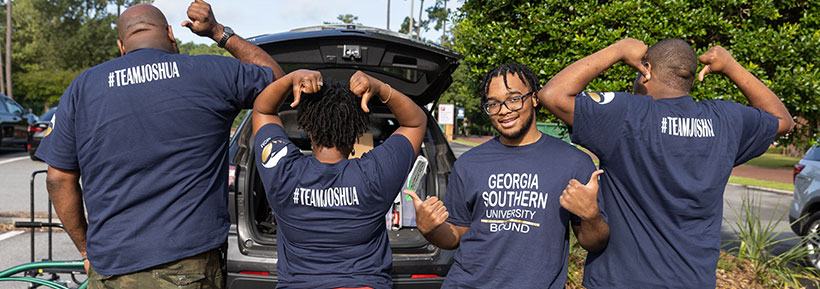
{"type": "Point", "coordinates": [65, 192]}
{"type": "Point", "coordinates": [558, 95]}
{"type": "Point", "coordinates": [270, 100]}
{"type": "Point", "coordinates": [249, 53]}
{"type": "Point", "coordinates": [593, 234]}
{"type": "Point", "coordinates": [760, 96]}
{"type": "Point", "coordinates": [445, 236]}
{"type": "Point", "coordinates": [407, 112]}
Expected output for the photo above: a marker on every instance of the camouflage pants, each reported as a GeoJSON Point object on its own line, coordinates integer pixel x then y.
{"type": "Point", "coordinates": [200, 271]}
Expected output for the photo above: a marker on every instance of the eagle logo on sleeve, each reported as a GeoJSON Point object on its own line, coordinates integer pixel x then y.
{"type": "Point", "coordinates": [601, 97]}
{"type": "Point", "coordinates": [50, 125]}
{"type": "Point", "coordinates": [271, 159]}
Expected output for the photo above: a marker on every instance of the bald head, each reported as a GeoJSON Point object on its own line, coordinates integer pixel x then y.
{"type": "Point", "coordinates": [144, 26]}
{"type": "Point", "coordinates": [674, 63]}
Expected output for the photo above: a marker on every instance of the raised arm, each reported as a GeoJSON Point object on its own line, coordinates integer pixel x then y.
{"type": "Point", "coordinates": [719, 60]}
{"type": "Point", "coordinates": [411, 118]}
{"type": "Point", "coordinates": [267, 104]}
{"type": "Point", "coordinates": [203, 23]}
{"type": "Point", "coordinates": [558, 96]}
{"type": "Point", "coordinates": [64, 190]}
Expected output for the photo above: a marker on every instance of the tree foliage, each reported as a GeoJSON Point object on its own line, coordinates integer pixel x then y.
{"type": "Point", "coordinates": [778, 41]}
{"type": "Point", "coordinates": [54, 40]}
{"type": "Point", "coordinates": [345, 19]}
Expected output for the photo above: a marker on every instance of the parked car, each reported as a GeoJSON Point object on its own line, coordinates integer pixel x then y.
{"type": "Point", "coordinates": [420, 70]}
{"type": "Point", "coordinates": [13, 124]}
{"type": "Point", "coordinates": [806, 204]}
{"type": "Point", "coordinates": [38, 130]}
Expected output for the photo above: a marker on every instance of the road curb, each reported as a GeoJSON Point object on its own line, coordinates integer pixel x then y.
{"type": "Point", "coordinates": [769, 190]}
{"type": "Point", "coordinates": [8, 220]}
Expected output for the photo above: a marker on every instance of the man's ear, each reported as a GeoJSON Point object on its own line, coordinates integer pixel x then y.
{"type": "Point", "coordinates": [534, 99]}
{"type": "Point", "coordinates": [648, 66]}
{"type": "Point", "coordinates": [173, 39]}
{"type": "Point", "coordinates": [121, 46]}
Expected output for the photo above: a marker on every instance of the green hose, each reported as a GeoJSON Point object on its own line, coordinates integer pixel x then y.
{"type": "Point", "coordinates": [37, 281]}
{"type": "Point", "coordinates": [38, 266]}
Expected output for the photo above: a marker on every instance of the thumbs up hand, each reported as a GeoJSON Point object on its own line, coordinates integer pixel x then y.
{"type": "Point", "coordinates": [580, 199]}
{"type": "Point", "coordinates": [429, 214]}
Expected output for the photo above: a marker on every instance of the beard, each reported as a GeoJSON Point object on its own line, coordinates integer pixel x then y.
{"type": "Point", "coordinates": [516, 133]}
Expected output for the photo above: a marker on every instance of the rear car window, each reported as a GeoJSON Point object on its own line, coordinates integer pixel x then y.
{"type": "Point", "coordinates": [46, 117]}
{"type": "Point", "coordinates": [813, 154]}
{"type": "Point", "coordinates": [382, 125]}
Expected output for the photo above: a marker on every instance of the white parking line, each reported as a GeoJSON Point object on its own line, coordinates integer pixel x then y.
{"type": "Point", "coordinates": [10, 234]}
{"type": "Point", "coordinates": [13, 160]}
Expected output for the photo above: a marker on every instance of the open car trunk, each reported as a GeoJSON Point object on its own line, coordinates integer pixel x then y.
{"type": "Point", "coordinates": [420, 70]}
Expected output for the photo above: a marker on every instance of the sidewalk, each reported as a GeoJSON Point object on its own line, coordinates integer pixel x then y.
{"type": "Point", "coordinates": [746, 171]}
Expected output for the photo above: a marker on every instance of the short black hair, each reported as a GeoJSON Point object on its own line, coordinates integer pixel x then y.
{"type": "Point", "coordinates": [674, 62]}
{"type": "Point", "coordinates": [523, 72]}
{"type": "Point", "coordinates": [333, 116]}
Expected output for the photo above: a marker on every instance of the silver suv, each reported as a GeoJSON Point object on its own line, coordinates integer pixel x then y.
{"type": "Point", "coordinates": [806, 202]}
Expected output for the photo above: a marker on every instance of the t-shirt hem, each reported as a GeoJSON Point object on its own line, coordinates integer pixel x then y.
{"type": "Point", "coordinates": [148, 265]}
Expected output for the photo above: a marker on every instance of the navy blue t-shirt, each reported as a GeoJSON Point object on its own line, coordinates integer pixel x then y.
{"type": "Point", "coordinates": [508, 196]}
{"type": "Point", "coordinates": [148, 132]}
{"type": "Point", "coordinates": [330, 217]}
{"type": "Point", "coordinates": [667, 164]}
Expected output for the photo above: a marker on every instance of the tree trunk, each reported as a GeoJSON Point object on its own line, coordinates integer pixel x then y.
{"type": "Point", "coordinates": [8, 50]}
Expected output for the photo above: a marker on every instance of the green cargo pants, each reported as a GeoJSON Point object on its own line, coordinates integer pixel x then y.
{"type": "Point", "coordinates": [199, 271]}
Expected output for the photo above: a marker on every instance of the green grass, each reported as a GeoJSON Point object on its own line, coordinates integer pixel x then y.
{"type": "Point", "coordinates": [761, 183]}
{"type": "Point", "coordinates": [771, 160]}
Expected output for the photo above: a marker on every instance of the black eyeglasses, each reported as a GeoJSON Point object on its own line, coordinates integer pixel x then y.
{"type": "Point", "coordinates": [513, 103]}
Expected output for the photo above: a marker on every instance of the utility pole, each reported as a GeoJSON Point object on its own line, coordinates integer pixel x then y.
{"type": "Point", "coordinates": [8, 49]}
{"type": "Point", "coordinates": [444, 27]}
{"type": "Point", "coordinates": [410, 28]}
{"type": "Point", "coordinates": [388, 14]}
{"type": "Point", "coordinates": [418, 31]}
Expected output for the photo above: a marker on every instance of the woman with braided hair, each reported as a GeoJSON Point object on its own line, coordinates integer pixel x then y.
{"type": "Point", "coordinates": [330, 209]}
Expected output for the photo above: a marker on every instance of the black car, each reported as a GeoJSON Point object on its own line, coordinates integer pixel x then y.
{"type": "Point", "coordinates": [38, 130]}
{"type": "Point", "coordinates": [13, 124]}
{"type": "Point", "coordinates": [420, 70]}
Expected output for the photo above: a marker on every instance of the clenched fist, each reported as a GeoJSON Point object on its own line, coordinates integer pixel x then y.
{"type": "Point", "coordinates": [202, 21]}
{"type": "Point", "coordinates": [580, 199]}
{"type": "Point", "coordinates": [304, 81]}
{"type": "Point", "coordinates": [365, 86]}
{"type": "Point", "coordinates": [429, 214]}
{"type": "Point", "coordinates": [717, 60]}
{"type": "Point", "coordinates": [633, 52]}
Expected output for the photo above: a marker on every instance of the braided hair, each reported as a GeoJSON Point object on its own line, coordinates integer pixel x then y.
{"type": "Point", "coordinates": [523, 72]}
{"type": "Point", "coordinates": [332, 116]}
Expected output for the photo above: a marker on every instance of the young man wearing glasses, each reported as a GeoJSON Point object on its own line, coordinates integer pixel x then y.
{"type": "Point", "coordinates": [509, 201]}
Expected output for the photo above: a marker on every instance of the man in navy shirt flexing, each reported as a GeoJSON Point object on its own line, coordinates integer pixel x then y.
{"type": "Point", "coordinates": [667, 157]}
{"type": "Point", "coordinates": [510, 201]}
{"type": "Point", "coordinates": [330, 209]}
{"type": "Point", "coordinates": [148, 134]}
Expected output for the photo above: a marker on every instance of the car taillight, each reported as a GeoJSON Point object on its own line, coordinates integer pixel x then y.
{"type": "Point", "coordinates": [231, 175]}
{"type": "Point", "coordinates": [797, 169]}
{"type": "Point", "coordinates": [417, 276]}
{"type": "Point", "coordinates": [258, 273]}
{"type": "Point", "coordinates": [32, 128]}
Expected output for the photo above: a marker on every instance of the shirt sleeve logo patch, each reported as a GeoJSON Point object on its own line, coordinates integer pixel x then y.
{"type": "Point", "coordinates": [269, 159]}
{"type": "Point", "coordinates": [602, 98]}
{"type": "Point", "coordinates": [50, 125]}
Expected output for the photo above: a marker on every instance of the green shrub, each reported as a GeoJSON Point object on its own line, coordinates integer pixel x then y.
{"type": "Point", "coordinates": [778, 41]}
